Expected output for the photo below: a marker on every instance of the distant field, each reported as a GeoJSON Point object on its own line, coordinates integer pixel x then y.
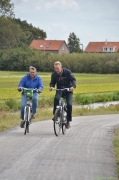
{"type": "Point", "coordinates": [86, 83]}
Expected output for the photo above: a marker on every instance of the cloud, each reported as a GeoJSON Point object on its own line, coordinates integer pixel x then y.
{"type": "Point", "coordinates": [43, 7]}
{"type": "Point", "coordinates": [62, 4]}
{"type": "Point", "coordinates": [61, 26]}
{"type": "Point", "coordinates": [49, 29]}
{"type": "Point", "coordinates": [57, 31]}
{"type": "Point", "coordinates": [25, 0]}
{"type": "Point", "coordinates": [88, 33]}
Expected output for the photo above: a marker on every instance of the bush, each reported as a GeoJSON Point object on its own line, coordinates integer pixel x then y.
{"type": "Point", "coordinates": [12, 104]}
{"type": "Point", "coordinates": [83, 99]}
{"type": "Point", "coordinates": [19, 59]}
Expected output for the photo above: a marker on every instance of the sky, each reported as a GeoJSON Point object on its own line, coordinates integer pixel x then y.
{"type": "Point", "coordinates": [90, 20]}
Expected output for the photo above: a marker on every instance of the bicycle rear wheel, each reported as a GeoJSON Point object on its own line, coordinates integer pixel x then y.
{"type": "Point", "coordinates": [57, 122]}
{"type": "Point", "coordinates": [27, 116]}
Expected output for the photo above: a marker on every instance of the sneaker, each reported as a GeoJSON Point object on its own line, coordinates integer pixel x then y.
{"type": "Point", "coordinates": [68, 125]}
{"type": "Point", "coordinates": [33, 116]}
{"type": "Point", "coordinates": [22, 124]}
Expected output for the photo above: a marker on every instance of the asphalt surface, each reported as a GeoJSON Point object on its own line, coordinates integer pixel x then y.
{"type": "Point", "coordinates": [85, 152]}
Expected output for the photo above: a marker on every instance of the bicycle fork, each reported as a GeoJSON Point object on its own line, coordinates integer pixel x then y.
{"type": "Point", "coordinates": [27, 113]}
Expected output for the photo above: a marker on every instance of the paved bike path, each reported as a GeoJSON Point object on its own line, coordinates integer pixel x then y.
{"type": "Point", "coordinates": [84, 153]}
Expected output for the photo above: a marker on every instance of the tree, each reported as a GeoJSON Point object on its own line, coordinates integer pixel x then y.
{"type": "Point", "coordinates": [30, 31]}
{"type": "Point", "coordinates": [74, 43]}
{"type": "Point", "coordinates": [6, 8]}
{"type": "Point", "coordinates": [11, 35]}
{"type": "Point", "coordinates": [14, 32]}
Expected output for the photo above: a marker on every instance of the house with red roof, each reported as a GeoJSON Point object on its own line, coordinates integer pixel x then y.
{"type": "Point", "coordinates": [102, 47]}
{"type": "Point", "coordinates": [51, 46]}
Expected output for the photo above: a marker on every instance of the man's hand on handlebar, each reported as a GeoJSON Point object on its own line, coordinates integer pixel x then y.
{"type": "Point", "coordinates": [51, 88]}
{"type": "Point", "coordinates": [71, 88]}
{"type": "Point", "coordinates": [19, 89]}
{"type": "Point", "coordinates": [38, 90]}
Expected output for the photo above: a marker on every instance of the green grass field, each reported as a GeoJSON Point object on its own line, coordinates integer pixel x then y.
{"type": "Point", "coordinates": [86, 83]}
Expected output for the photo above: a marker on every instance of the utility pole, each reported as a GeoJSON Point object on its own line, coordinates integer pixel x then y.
{"type": "Point", "coordinates": [82, 46]}
{"type": "Point", "coordinates": [44, 48]}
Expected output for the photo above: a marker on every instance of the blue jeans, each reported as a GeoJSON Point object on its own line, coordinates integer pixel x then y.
{"type": "Point", "coordinates": [69, 103]}
{"type": "Point", "coordinates": [34, 104]}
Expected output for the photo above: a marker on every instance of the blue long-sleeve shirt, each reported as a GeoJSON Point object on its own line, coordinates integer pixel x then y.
{"type": "Point", "coordinates": [27, 82]}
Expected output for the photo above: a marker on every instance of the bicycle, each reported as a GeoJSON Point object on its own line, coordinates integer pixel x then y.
{"type": "Point", "coordinates": [60, 116]}
{"type": "Point", "coordinates": [28, 92]}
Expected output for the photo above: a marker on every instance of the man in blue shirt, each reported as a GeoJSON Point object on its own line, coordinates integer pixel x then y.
{"type": "Point", "coordinates": [30, 80]}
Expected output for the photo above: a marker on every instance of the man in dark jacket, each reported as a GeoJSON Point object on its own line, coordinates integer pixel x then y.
{"type": "Point", "coordinates": [63, 78]}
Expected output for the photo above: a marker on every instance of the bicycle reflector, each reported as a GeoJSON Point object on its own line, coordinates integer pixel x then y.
{"type": "Point", "coordinates": [28, 93]}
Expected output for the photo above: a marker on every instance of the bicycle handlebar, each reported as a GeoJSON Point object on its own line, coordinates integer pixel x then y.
{"type": "Point", "coordinates": [22, 88]}
{"type": "Point", "coordinates": [64, 89]}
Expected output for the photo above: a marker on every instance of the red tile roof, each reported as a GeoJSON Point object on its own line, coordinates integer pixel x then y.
{"type": "Point", "coordinates": [47, 44]}
{"type": "Point", "coordinates": [98, 46]}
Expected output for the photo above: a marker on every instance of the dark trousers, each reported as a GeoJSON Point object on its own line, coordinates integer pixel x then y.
{"type": "Point", "coordinates": [68, 96]}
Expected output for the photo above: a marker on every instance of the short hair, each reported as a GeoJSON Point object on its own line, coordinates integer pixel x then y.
{"type": "Point", "coordinates": [57, 63]}
{"type": "Point", "coordinates": [33, 68]}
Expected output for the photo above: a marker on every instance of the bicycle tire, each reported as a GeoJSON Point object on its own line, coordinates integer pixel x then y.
{"type": "Point", "coordinates": [26, 125]}
{"type": "Point", "coordinates": [64, 128]}
{"type": "Point", "coordinates": [57, 122]}
{"type": "Point", "coordinates": [28, 119]}
{"type": "Point", "coordinates": [64, 124]}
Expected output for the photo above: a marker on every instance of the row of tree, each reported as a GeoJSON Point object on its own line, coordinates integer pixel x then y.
{"type": "Point", "coordinates": [17, 33]}
{"type": "Point", "coordinates": [19, 59]}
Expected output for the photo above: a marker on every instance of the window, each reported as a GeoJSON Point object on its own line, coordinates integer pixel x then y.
{"type": "Point", "coordinates": [48, 45]}
{"type": "Point", "coordinates": [63, 48]}
{"type": "Point", "coordinates": [105, 49]}
{"type": "Point", "coordinates": [41, 45]}
{"type": "Point", "coordinates": [108, 49]}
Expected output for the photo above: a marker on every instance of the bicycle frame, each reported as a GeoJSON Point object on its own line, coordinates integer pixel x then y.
{"type": "Point", "coordinates": [62, 120]}
{"type": "Point", "coordinates": [28, 109]}
{"type": "Point", "coordinates": [28, 106]}
{"type": "Point", "coordinates": [27, 116]}
{"type": "Point", "coordinates": [61, 107]}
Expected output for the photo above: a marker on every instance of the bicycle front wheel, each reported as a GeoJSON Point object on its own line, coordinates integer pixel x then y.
{"type": "Point", "coordinates": [57, 122]}
{"type": "Point", "coordinates": [63, 128]}
{"type": "Point", "coordinates": [64, 124]}
{"type": "Point", "coordinates": [27, 116]}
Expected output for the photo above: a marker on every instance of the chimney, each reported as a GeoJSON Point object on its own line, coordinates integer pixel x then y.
{"type": "Point", "coordinates": [106, 41]}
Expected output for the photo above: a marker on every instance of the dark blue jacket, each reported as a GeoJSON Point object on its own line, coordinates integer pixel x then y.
{"type": "Point", "coordinates": [65, 80]}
